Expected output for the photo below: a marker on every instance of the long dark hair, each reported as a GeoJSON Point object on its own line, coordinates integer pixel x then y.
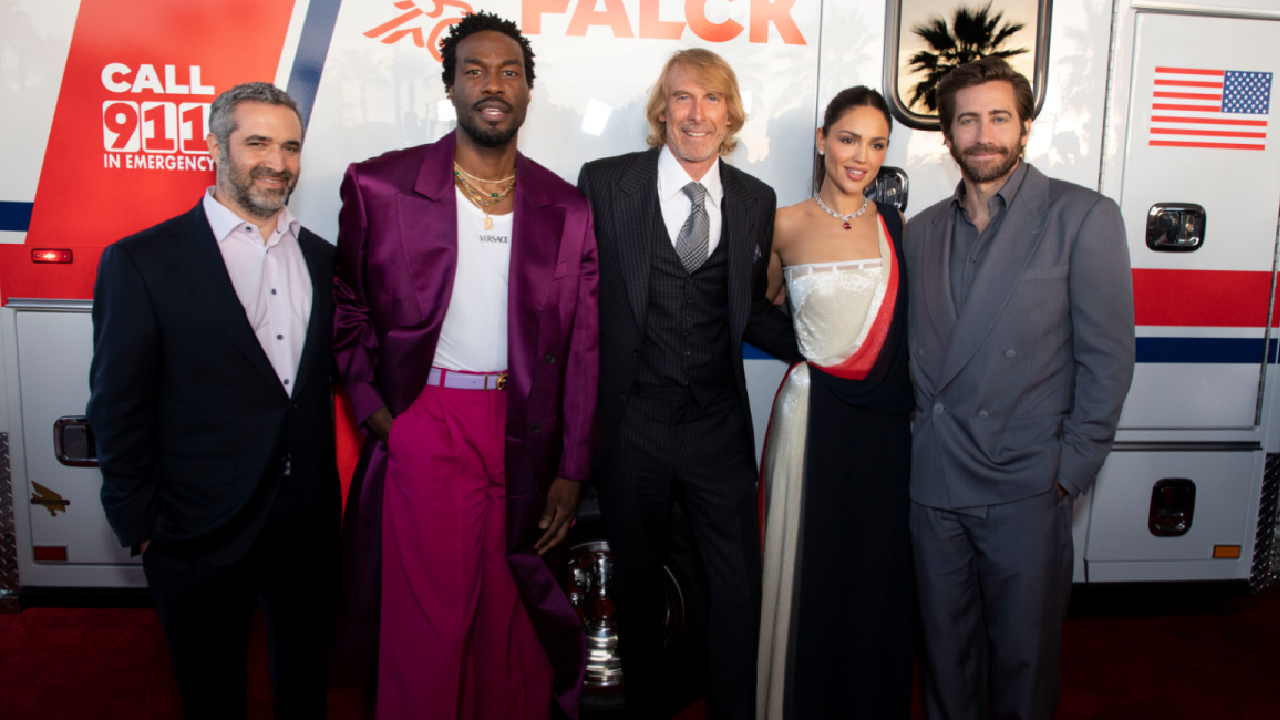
{"type": "Point", "coordinates": [843, 102]}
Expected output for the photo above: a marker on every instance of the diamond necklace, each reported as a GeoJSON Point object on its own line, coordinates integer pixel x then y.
{"type": "Point", "coordinates": [838, 216]}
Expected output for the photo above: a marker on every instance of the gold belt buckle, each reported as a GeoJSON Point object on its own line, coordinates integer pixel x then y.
{"type": "Point", "coordinates": [502, 381]}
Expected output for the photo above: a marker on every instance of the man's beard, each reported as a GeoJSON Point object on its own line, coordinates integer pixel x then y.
{"type": "Point", "coordinates": [254, 200]}
{"type": "Point", "coordinates": [487, 135]}
{"type": "Point", "coordinates": [979, 173]}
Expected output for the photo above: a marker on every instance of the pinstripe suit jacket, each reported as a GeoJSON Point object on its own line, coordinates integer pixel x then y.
{"type": "Point", "coordinates": [623, 192]}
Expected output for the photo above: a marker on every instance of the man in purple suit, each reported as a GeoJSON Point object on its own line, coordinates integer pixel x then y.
{"type": "Point", "coordinates": [466, 334]}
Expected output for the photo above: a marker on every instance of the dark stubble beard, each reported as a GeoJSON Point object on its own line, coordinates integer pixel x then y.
{"type": "Point", "coordinates": [259, 203]}
{"type": "Point", "coordinates": [977, 173]}
{"type": "Point", "coordinates": [489, 136]}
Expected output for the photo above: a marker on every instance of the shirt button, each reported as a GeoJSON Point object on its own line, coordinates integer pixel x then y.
{"type": "Point", "coordinates": [920, 352]}
{"type": "Point", "coordinates": [938, 408]}
{"type": "Point", "coordinates": [279, 337]}
{"type": "Point", "coordinates": [273, 291]}
{"type": "Point", "coordinates": [550, 358]}
{"type": "Point", "coordinates": [286, 382]}
{"type": "Point", "coordinates": [982, 414]}
{"type": "Point", "coordinates": [1010, 353]}
{"type": "Point", "coordinates": [534, 427]}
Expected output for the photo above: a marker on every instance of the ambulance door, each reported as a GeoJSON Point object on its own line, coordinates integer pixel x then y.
{"type": "Point", "coordinates": [66, 540]}
{"type": "Point", "coordinates": [1199, 185]}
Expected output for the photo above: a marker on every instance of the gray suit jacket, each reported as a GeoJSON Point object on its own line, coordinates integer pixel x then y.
{"type": "Point", "coordinates": [1023, 388]}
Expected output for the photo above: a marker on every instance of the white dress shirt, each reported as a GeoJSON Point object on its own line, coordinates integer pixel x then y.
{"type": "Point", "coordinates": [676, 205]}
{"type": "Point", "coordinates": [271, 281]}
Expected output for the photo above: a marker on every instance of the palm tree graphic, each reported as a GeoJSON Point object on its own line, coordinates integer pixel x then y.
{"type": "Point", "coordinates": [973, 34]}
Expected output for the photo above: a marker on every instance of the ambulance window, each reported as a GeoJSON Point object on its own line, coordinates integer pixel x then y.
{"type": "Point", "coordinates": [928, 37]}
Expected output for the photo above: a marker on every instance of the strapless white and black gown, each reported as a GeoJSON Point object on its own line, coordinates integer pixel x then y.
{"type": "Point", "coordinates": [837, 607]}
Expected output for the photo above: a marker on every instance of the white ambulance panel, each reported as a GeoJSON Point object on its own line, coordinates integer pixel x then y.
{"type": "Point", "coordinates": [1120, 529]}
{"type": "Point", "coordinates": [1201, 102]}
{"type": "Point", "coordinates": [58, 506]}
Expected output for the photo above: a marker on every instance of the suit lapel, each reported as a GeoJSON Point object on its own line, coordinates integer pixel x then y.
{"type": "Point", "coordinates": [935, 276]}
{"type": "Point", "coordinates": [537, 229]}
{"type": "Point", "coordinates": [737, 206]}
{"type": "Point", "coordinates": [321, 305]}
{"type": "Point", "coordinates": [427, 225]}
{"type": "Point", "coordinates": [196, 257]}
{"type": "Point", "coordinates": [637, 202]}
{"type": "Point", "coordinates": [1013, 246]}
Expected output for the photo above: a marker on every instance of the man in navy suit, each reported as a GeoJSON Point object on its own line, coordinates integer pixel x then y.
{"type": "Point", "coordinates": [211, 407]}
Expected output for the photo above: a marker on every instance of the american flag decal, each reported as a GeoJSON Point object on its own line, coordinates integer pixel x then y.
{"type": "Point", "coordinates": [1220, 109]}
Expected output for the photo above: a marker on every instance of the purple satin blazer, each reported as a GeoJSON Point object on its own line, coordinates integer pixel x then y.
{"type": "Point", "coordinates": [393, 278]}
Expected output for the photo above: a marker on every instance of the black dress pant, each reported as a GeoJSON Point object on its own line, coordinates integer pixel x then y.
{"type": "Point", "coordinates": [206, 611]}
{"type": "Point", "coordinates": [671, 448]}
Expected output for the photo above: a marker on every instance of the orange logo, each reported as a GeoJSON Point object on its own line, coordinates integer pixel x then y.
{"type": "Point", "coordinates": [616, 17]}
{"type": "Point", "coordinates": [410, 24]}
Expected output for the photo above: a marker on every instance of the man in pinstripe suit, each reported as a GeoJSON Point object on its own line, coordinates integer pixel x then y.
{"type": "Point", "coordinates": [684, 241]}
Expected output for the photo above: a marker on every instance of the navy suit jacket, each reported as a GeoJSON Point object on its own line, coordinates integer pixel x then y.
{"type": "Point", "coordinates": [192, 425]}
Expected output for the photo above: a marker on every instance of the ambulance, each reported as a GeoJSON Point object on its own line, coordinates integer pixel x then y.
{"type": "Point", "coordinates": [1163, 105]}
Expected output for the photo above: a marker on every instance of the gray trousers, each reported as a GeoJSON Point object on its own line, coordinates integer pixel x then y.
{"type": "Point", "coordinates": [993, 582]}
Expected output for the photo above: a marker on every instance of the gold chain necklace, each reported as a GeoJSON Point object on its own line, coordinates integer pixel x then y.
{"type": "Point", "coordinates": [478, 196]}
{"type": "Point", "coordinates": [458, 169]}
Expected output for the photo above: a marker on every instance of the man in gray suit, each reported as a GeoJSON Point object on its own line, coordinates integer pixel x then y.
{"type": "Point", "coordinates": [1021, 337]}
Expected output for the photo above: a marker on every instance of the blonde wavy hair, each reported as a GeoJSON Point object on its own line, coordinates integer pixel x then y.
{"type": "Point", "coordinates": [713, 72]}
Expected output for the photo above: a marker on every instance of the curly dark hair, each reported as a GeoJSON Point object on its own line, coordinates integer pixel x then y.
{"type": "Point", "coordinates": [471, 24]}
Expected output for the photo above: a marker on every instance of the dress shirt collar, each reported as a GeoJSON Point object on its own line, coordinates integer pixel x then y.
{"type": "Point", "coordinates": [672, 178]}
{"type": "Point", "coordinates": [1003, 197]}
{"type": "Point", "coordinates": [223, 222]}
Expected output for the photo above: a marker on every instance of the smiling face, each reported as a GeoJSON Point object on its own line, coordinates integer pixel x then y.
{"type": "Point", "coordinates": [986, 138]}
{"type": "Point", "coordinates": [697, 120]}
{"type": "Point", "coordinates": [490, 93]}
{"type": "Point", "coordinates": [258, 169]}
{"type": "Point", "coordinates": [853, 149]}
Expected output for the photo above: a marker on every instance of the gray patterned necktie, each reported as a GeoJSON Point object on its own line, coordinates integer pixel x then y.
{"type": "Point", "coordinates": [692, 242]}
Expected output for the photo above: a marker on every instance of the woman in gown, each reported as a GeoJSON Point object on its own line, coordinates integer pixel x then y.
{"type": "Point", "coordinates": [835, 638]}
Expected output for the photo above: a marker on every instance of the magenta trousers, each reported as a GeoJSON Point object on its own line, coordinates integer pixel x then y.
{"type": "Point", "coordinates": [455, 640]}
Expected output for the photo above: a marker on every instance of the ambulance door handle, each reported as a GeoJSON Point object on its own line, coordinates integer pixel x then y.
{"type": "Point", "coordinates": [73, 441]}
{"type": "Point", "coordinates": [890, 187]}
{"type": "Point", "coordinates": [1175, 227]}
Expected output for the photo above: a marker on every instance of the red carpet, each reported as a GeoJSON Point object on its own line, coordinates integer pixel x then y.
{"type": "Point", "coordinates": [1165, 652]}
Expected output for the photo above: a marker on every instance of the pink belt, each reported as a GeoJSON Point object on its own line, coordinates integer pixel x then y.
{"type": "Point", "coordinates": [459, 380]}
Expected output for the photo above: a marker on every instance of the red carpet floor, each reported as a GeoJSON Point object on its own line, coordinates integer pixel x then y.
{"type": "Point", "coordinates": [1165, 652]}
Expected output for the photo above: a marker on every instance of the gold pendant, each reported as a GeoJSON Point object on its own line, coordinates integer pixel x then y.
{"type": "Point", "coordinates": [488, 223]}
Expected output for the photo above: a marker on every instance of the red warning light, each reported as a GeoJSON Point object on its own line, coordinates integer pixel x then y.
{"type": "Point", "coordinates": [51, 256]}
{"type": "Point", "coordinates": [49, 553]}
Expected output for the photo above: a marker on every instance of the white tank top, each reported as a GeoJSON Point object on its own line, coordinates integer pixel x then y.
{"type": "Point", "coordinates": [474, 334]}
